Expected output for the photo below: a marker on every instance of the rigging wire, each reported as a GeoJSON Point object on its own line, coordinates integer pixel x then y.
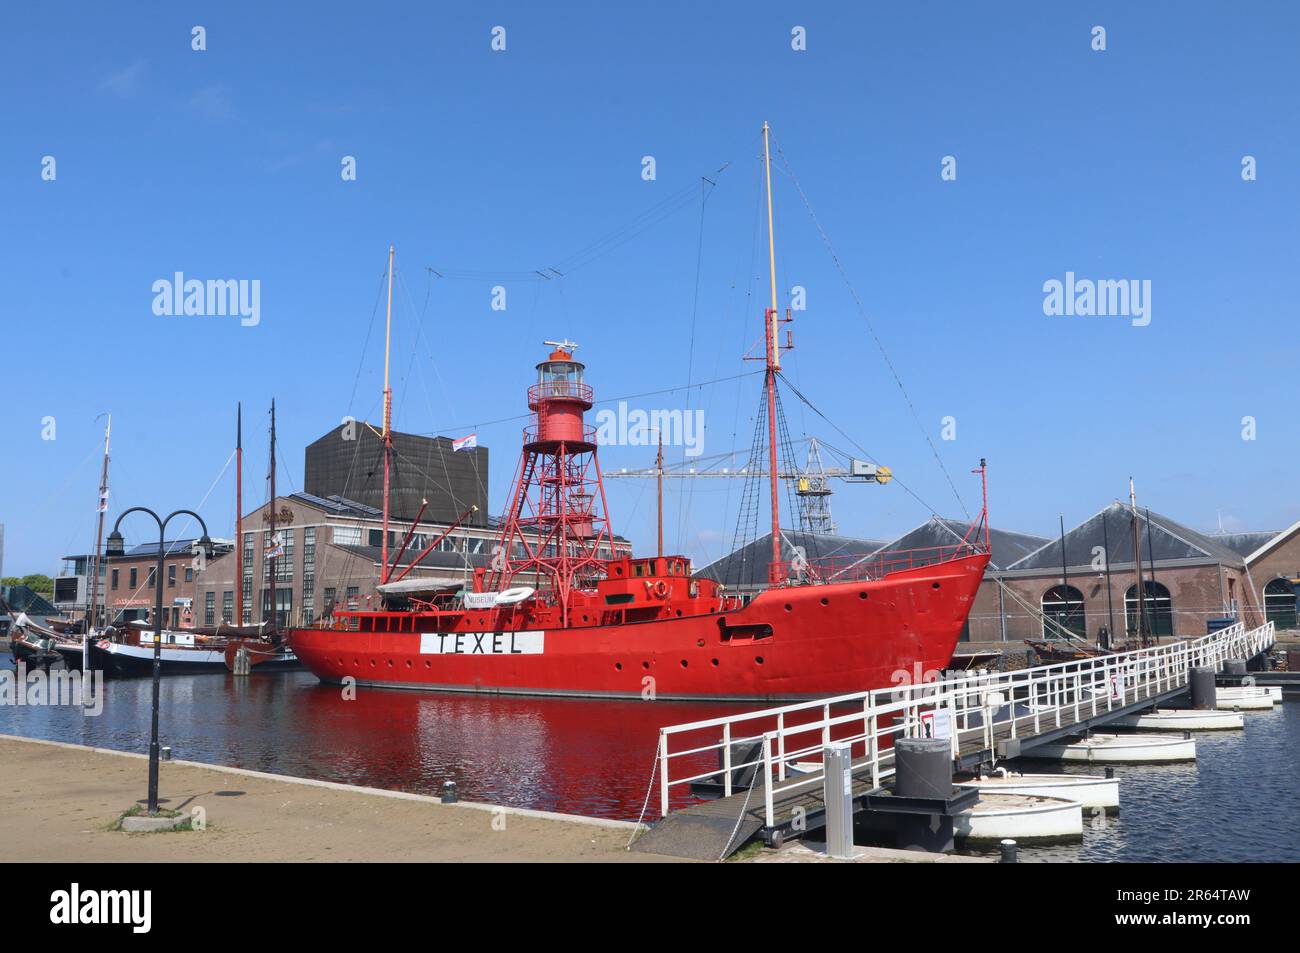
{"type": "Point", "coordinates": [811, 406]}
{"type": "Point", "coordinates": [862, 312]}
{"type": "Point", "coordinates": [594, 250]}
{"type": "Point", "coordinates": [607, 400]}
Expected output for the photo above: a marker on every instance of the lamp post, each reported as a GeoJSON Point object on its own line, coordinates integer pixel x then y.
{"type": "Point", "coordinates": [116, 547]}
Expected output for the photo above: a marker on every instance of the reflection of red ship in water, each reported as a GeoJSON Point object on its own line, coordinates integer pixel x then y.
{"type": "Point", "coordinates": [555, 615]}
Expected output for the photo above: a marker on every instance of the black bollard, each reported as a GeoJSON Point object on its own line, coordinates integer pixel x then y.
{"type": "Point", "coordinates": [1009, 851]}
{"type": "Point", "coordinates": [1204, 695]}
{"type": "Point", "coordinates": [449, 792]}
{"type": "Point", "coordinates": [1234, 666]}
{"type": "Point", "coordinates": [923, 769]}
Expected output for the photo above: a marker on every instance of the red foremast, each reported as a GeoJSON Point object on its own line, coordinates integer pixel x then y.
{"type": "Point", "coordinates": [556, 535]}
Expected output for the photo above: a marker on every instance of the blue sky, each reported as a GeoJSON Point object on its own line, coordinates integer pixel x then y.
{"type": "Point", "coordinates": [226, 164]}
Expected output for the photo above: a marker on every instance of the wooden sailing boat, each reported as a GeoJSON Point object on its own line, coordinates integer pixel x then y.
{"type": "Point", "coordinates": [257, 646]}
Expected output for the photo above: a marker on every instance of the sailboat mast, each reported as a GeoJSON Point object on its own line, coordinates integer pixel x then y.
{"type": "Point", "coordinates": [102, 506]}
{"type": "Point", "coordinates": [275, 621]}
{"type": "Point", "coordinates": [774, 574]}
{"type": "Point", "coordinates": [1137, 566]}
{"type": "Point", "coordinates": [388, 418]}
{"type": "Point", "coordinates": [239, 514]}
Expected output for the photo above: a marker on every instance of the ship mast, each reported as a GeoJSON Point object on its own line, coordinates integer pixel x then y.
{"type": "Point", "coordinates": [239, 514]}
{"type": "Point", "coordinates": [774, 573]}
{"type": "Point", "coordinates": [388, 417]}
{"type": "Point", "coordinates": [659, 472]}
{"type": "Point", "coordinates": [102, 506]}
{"type": "Point", "coordinates": [1142, 632]}
{"type": "Point", "coordinates": [275, 543]}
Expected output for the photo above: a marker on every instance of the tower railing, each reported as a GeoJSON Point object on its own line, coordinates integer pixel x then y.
{"type": "Point", "coordinates": [560, 390]}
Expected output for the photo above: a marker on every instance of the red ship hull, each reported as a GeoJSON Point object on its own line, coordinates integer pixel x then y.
{"type": "Point", "coordinates": [787, 643]}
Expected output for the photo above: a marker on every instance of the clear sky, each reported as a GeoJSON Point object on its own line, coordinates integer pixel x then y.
{"type": "Point", "coordinates": [486, 166]}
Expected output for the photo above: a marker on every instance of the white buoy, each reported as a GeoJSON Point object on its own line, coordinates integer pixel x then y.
{"type": "Point", "coordinates": [1020, 816]}
{"type": "Point", "coordinates": [1090, 790]}
{"type": "Point", "coordinates": [1182, 719]}
{"type": "Point", "coordinates": [1118, 749]}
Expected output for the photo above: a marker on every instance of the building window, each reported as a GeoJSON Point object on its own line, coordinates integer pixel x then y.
{"type": "Point", "coordinates": [351, 596]}
{"type": "Point", "coordinates": [347, 535]}
{"type": "Point", "coordinates": [1063, 609]}
{"type": "Point", "coordinates": [134, 576]}
{"type": "Point", "coordinates": [189, 573]}
{"type": "Point", "coordinates": [1156, 606]}
{"type": "Point", "coordinates": [228, 606]}
{"type": "Point", "coordinates": [114, 578]}
{"type": "Point", "coordinates": [153, 577]}
{"type": "Point", "coordinates": [330, 596]}
{"type": "Point", "coordinates": [171, 576]}
{"type": "Point", "coordinates": [309, 549]}
{"type": "Point", "coordinates": [209, 608]}
{"type": "Point", "coordinates": [1280, 604]}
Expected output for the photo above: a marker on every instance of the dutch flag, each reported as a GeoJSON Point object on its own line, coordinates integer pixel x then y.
{"type": "Point", "coordinates": [465, 443]}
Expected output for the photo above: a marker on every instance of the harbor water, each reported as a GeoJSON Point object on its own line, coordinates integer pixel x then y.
{"type": "Point", "coordinates": [595, 758]}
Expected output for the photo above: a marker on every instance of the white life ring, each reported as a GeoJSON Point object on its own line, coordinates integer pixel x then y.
{"type": "Point", "coordinates": [509, 597]}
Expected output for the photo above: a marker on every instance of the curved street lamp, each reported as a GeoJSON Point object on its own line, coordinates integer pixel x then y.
{"type": "Point", "coordinates": [116, 547]}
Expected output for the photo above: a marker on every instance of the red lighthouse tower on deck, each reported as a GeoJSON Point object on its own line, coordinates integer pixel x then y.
{"type": "Point", "coordinates": [556, 526]}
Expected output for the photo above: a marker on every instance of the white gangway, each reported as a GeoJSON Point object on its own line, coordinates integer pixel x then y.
{"type": "Point", "coordinates": [976, 711]}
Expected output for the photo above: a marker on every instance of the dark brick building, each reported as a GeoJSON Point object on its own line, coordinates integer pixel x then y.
{"type": "Point", "coordinates": [349, 462]}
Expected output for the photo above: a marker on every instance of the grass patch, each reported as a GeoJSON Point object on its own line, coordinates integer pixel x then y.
{"type": "Point", "coordinates": [752, 849]}
{"type": "Point", "coordinates": [139, 810]}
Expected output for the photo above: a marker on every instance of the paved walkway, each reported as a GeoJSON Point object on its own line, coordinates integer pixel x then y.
{"type": "Point", "coordinates": [57, 802]}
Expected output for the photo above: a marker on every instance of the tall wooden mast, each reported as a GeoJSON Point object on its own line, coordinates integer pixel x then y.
{"type": "Point", "coordinates": [388, 417]}
{"type": "Point", "coordinates": [239, 514]}
{"type": "Point", "coordinates": [774, 573]}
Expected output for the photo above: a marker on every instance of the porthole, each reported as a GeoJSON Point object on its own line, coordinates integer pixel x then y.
{"type": "Point", "coordinates": [934, 585]}
{"type": "Point", "coordinates": [788, 607]}
{"type": "Point", "coordinates": [618, 666]}
{"type": "Point", "coordinates": [645, 665]}
{"type": "Point", "coordinates": [862, 595]}
{"type": "Point", "coordinates": [758, 659]}
{"type": "Point", "coordinates": [715, 663]}
{"type": "Point", "coordinates": [683, 663]}
{"type": "Point", "coordinates": [825, 601]}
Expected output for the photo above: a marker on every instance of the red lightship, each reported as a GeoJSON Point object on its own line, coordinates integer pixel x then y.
{"type": "Point", "coordinates": [555, 615]}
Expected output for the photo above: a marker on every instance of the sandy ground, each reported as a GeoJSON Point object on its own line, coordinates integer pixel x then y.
{"type": "Point", "coordinates": [56, 804]}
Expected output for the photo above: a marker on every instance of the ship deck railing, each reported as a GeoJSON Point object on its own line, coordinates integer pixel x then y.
{"type": "Point", "coordinates": [857, 568]}
{"type": "Point", "coordinates": [773, 756]}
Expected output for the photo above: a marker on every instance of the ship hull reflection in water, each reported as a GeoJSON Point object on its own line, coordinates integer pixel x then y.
{"type": "Point", "coordinates": [576, 756]}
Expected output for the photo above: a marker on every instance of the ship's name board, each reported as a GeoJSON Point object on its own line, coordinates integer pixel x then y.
{"type": "Point", "coordinates": [481, 643]}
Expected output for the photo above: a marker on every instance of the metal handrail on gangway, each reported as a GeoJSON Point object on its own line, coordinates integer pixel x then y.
{"type": "Point", "coordinates": [974, 711]}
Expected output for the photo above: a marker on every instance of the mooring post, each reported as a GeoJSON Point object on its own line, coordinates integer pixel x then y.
{"type": "Point", "coordinates": [837, 764]}
{"type": "Point", "coordinates": [923, 769]}
{"type": "Point", "coordinates": [1009, 851]}
{"type": "Point", "coordinates": [1234, 666]}
{"type": "Point", "coordinates": [449, 792]}
{"type": "Point", "coordinates": [242, 666]}
{"type": "Point", "coordinates": [1204, 696]}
